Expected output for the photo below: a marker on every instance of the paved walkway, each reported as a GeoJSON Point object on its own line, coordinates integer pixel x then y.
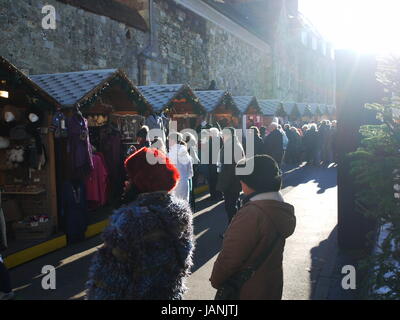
{"type": "Point", "coordinates": [309, 257]}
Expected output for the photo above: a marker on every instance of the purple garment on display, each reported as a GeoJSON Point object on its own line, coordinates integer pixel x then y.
{"type": "Point", "coordinates": [79, 148]}
{"type": "Point", "coordinates": [110, 146]}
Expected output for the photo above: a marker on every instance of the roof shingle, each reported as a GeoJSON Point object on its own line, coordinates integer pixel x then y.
{"type": "Point", "coordinates": [69, 88]}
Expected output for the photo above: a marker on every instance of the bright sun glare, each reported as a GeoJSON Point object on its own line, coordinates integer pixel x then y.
{"type": "Point", "coordinates": [370, 26]}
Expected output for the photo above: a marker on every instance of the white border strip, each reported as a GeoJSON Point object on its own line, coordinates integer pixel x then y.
{"type": "Point", "coordinates": [209, 13]}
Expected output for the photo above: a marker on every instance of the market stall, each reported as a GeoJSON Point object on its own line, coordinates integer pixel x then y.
{"type": "Point", "coordinates": [101, 112]}
{"type": "Point", "coordinates": [332, 112]}
{"type": "Point", "coordinates": [269, 109]}
{"type": "Point", "coordinates": [288, 111]}
{"type": "Point", "coordinates": [27, 161]}
{"type": "Point", "coordinates": [250, 110]}
{"type": "Point", "coordinates": [221, 108]}
{"type": "Point", "coordinates": [177, 101]}
{"type": "Point", "coordinates": [316, 111]}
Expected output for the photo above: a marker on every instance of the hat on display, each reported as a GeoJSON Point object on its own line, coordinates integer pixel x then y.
{"type": "Point", "coordinates": [4, 143]}
{"type": "Point", "coordinates": [34, 115]}
{"type": "Point", "coordinates": [16, 156]}
{"type": "Point", "coordinates": [148, 177]}
{"type": "Point", "coordinates": [10, 113]}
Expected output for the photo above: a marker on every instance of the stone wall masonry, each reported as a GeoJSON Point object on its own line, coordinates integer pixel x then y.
{"type": "Point", "coordinates": [81, 41]}
{"type": "Point", "coordinates": [198, 51]}
{"type": "Point", "coordinates": [188, 48]}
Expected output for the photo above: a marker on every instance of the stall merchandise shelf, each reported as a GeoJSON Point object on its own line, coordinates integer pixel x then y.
{"type": "Point", "coordinates": [32, 193]}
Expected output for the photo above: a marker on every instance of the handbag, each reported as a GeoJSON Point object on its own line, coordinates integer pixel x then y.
{"type": "Point", "coordinates": [231, 288]}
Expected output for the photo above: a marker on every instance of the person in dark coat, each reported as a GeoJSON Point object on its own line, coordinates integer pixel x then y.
{"type": "Point", "coordinates": [143, 138]}
{"type": "Point", "coordinates": [148, 246]}
{"type": "Point", "coordinates": [294, 146]}
{"type": "Point", "coordinates": [312, 144]}
{"type": "Point", "coordinates": [258, 143]}
{"type": "Point", "coordinates": [228, 183]}
{"type": "Point", "coordinates": [274, 143]}
{"type": "Point", "coordinates": [265, 221]}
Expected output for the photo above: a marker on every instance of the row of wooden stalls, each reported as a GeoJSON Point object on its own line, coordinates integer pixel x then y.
{"type": "Point", "coordinates": [64, 137]}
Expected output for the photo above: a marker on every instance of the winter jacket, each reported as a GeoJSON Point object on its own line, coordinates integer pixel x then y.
{"type": "Point", "coordinates": [147, 251]}
{"type": "Point", "coordinates": [274, 145]}
{"type": "Point", "coordinates": [252, 231]}
{"type": "Point", "coordinates": [227, 179]}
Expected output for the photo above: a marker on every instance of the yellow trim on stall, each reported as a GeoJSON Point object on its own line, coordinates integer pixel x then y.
{"type": "Point", "coordinates": [29, 254]}
{"type": "Point", "coordinates": [34, 252]}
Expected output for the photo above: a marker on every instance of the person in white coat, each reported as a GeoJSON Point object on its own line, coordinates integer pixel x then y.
{"type": "Point", "coordinates": [180, 157]}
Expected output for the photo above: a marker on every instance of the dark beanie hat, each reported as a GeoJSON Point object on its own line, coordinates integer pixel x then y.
{"type": "Point", "coordinates": [148, 177]}
{"type": "Point", "coordinates": [266, 176]}
{"type": "Point", "coordinates": [143, 132]}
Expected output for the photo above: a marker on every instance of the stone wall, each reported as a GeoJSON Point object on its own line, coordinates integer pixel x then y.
{"type": "Point", "coordinates": [187, 48]}
{"type": "Point", "coordinates": [197, 51]}
{"type": "Point", "coordinates": [81, 41]}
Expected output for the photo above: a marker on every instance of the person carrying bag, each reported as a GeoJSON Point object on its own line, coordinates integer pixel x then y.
{"type": "Point", "coordinates": [249, 266]}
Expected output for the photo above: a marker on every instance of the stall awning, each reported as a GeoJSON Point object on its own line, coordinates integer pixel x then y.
{"type": "Point", "coordinates": [161, 97]}
{"type": "Point", "coordinates": [76, 89]}
{"type": "Point", "coordinates": [245, 102]}
{"type": "Point", "coordinates": [269, 107]}
{"type": "Point", "coordinates": [212, 99]}
{"type": "Point", "coordinates": [14, 78]}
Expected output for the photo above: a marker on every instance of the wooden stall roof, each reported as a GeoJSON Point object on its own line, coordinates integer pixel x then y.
{"type": "Point", "coordinates": [302, 108]}
{"type": "Point", "coordinates": [269, 107]}
{"type": "Point", "coordinates": [212, 99]}
{"type": "Point", "coordinates": [75, 89]}
{"type": "Point", "coordinates": [245, 102]}
{"type": "Point", "coordinates": [315, 109]}
{"type": "Point", "coordinates": [161, 97]}
{"type": "Point", "coordinates": [288, 107]}
{"type": "Point", "coordinates": [8, 72]}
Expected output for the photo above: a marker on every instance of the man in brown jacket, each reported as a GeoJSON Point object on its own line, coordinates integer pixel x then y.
{"type": "Point", "coordinates": [263, 218]}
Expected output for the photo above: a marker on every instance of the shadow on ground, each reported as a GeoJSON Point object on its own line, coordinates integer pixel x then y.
{"type": "Point", "coordinates": [326, 271]}
{"type": "Point", "coordinates": [324, 176]}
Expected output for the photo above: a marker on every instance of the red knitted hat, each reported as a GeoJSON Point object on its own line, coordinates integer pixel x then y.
{"type": "Point", "coordinates": [148, 177]}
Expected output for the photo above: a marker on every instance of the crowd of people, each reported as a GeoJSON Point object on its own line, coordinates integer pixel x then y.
{"type": "Point", "coordinates": [149, 244]}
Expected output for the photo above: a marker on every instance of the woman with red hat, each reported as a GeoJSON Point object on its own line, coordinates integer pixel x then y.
{"type": "Point", "coordinates": [148, 247]}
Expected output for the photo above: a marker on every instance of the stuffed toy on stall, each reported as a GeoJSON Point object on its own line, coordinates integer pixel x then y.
{"type": "Point", "coordinates": [15, 156]}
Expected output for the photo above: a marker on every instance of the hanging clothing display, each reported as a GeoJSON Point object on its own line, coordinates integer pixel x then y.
{"type": "Point", "coordinates": [79, 148]}
{"type": "Point", "coordinates": [111, 148]}
{"type": "Point", "coordinates": [97, 185]}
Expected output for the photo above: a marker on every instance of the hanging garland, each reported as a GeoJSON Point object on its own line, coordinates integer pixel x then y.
{"type": "Point", "coordinates": [15, 79]}
{"type": "Point", "coordinates": [122, 83]}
